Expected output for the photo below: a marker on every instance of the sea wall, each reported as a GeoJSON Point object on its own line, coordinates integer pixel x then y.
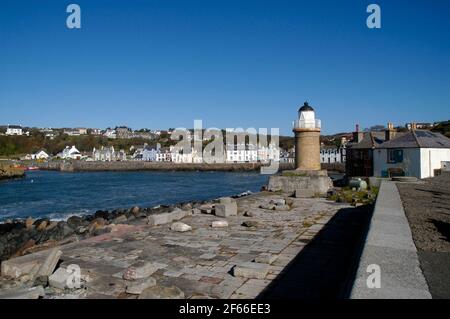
{"type": "Point", "coordinates": [78, 166]}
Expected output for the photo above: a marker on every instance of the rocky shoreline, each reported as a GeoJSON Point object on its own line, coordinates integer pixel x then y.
{"type": "Point", "coordinates": [19, 237]}
{"type": "Point", "coordinates": [10, 171]}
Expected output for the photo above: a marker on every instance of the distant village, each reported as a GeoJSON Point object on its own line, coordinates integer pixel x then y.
{"type": "Point", "coordinates": [410, 150]}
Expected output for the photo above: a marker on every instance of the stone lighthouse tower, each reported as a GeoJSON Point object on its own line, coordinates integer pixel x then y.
{"type": "Point", "coordinates": [307, 140]}
{"type": "Point", "coordinates": [307, 180]}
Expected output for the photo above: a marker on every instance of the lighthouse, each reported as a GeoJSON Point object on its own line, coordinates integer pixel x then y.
{"type": "Point", "coordinates": [307, 139]}
{"type": "Point", "coordinates": [307, 180]}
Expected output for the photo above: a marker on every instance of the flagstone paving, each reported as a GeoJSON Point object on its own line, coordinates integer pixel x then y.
{"type": "Point", "coordinates": [201, 262]}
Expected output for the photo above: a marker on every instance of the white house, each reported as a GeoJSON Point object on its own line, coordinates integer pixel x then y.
{"type": "Point", "coordinates": [40, 155]}
{"type": "Point", "coordinates": [191, 156]}
{"type": "Point", "coordinates": [163, 155]}
{"type": "Point", "coordinates": [332, 154]}
{"type": "Point", "coordinates": [75, 131]}
{"type": "Point", "coordinates": [287, 156]}
{"type": "Point", "coordinates": [108, 154]}
{"type": "Point", "coordinates": [149, 154]}
{"type": "Point", "coordinates": [109, 133]}
{"type": "Point", "coordinates": [269, 153]}
{"type": "Point", "coordinates": [241, 153]}
{"type": "Point", "coordinates": [70, 153]}
{"type": "Point", "coordinates": [14, 130]}
{"type": "Point", "coordinates": [417, 153]}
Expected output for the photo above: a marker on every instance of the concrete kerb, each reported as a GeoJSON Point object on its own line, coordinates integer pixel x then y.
{"type": "Point", "coordinates": [390, 246]}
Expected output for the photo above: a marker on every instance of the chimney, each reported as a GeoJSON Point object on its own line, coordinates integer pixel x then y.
{"type": "Point", "coordinates": [357, 135]}
{"type": "Point", "coordinates": [390, 132]}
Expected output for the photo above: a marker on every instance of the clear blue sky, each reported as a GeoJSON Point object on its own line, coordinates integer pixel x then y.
{"type": "Point", "coordinates": [161, 64]}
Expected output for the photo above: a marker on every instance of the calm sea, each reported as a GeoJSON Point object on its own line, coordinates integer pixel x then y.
{"type": "Point", "coordinates": [59, 195]}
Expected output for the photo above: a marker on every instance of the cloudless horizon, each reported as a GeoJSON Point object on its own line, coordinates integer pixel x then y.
{"type": "Point", "coordinates": [248, 63]}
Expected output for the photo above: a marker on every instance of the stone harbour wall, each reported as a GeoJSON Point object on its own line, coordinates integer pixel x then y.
{"type": "Point", "coordinates": [72, 166]}
{"type": "Point", "coordinates": [314, 185]}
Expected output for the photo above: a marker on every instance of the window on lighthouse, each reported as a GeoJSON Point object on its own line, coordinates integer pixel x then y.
{"type": "Point", "coordinates": [307, 119]}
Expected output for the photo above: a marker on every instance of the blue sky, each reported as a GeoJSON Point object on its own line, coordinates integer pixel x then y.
{"type": "Point", "coordinates": [161, 64]}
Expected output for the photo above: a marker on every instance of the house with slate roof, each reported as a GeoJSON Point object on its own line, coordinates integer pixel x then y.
{"type": "Point", "coordinates": [359, 152]}
{"type": "Point", "coordinates": [417, 153]}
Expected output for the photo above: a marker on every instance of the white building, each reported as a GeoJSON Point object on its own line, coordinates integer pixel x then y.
{"type": "Point", "coordinates": [75, 131]}
{"type": "Point", "coordinates": [108, 154]}
{"type": "Point", "coordinates": [149, 154]}
{"type": "Point", "coordinates": [41, 155]}
{"type": "Point", "coordinates": [191, 156]}
{"type": "Point", "coordinates": [48, 132]}
{"type": "Point", "coordinates": [109, 133]}
{"type": "Point", "coordinates": [14, 130]}
{"type": "Point", "coordinates": [417, 153]}
{"type": "Point", "coordinates": [332, 154]}
{"type": "Point", "coordinates": [287, 156]}
{"type": "Point", "coordinates": [248, 153]}
{"type": "Point", "coordinates": [241, 153]}
{"type": "Point", "coordinates": [70, 153]}
{"type": "Point", "coordinates": [163, 155]}
{"type": "Point", "coordinates": [269, 153]}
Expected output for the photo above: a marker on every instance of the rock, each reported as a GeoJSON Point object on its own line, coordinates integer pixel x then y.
{"type": "Point", "coordinates": [135, 210]}
{"type": "Point", "coordinates": [304, 193]}
{"type": "Point", "coordinates": [102, 230]}
{"type": "Point", "coordinates": [51, 225]}
{"type": "Point", "coordinates": [267, 206]}
{"type": "Point", "coordinates": [23, 293]}
{"type": "Point", "coordinates": [278, 201]}
{"type": "Point", "coordinates": [81, 230]}
{"type": "Point", "coordinates": [219, 223]}
{"type": "Point", "coordinates": [75, 222]}
{"type": "Point", "coordinates": [41, 224]}
{"type": "Point", "coordinates": [266, 258]}
{"type": "Point", "coordinates": [186, 206]}
{"type": "Point", "coordinates": [248, 214]}
{"type": "Point", "coordinates": [159, 292]}
{"type": "Point", "coordinates": [251, 270]}
{"type": "Point", "coordinates": [142, 270]}
{"type": "Point", "coordinates": [27, 245]}
{"type": "Point", "coordinates": [289, 201]}
{"type": "Point", "coordinates": [50, 262]}
{"type": "Point", "coordinates": [120, 219]}
{"type": "Point", "coordinates": [282, 207]}
{"type": "Point", "coordinates": [59, 278]}
{"type": "Point", "coordinates": [226, 209]}
{"type": "Point", "coordinates": [226, 200]}
{"type": "Point", "coordinates": [206, 209]}
{"type": "Point", "coordinates": [29, 223]}
{"type": "Point", "coordinates": [17, 267]}
{"type": "Point", "coordinates": [165, 218]}
{"type": "Point", "coordinates": [180, 227]}
{"type": "Point", "coordinates": [96, 224]}
{"type": "Point", "coordinates": [102, 214]}
{"type": "Point", "coordinates": [136, 288]}
{"type": "Point", "coordinates": [250, 223]}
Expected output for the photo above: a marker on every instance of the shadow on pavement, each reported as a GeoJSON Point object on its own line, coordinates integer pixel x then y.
{"type": "Point", "coordinates": [326, 266]}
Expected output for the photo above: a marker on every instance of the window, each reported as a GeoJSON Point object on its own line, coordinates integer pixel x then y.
{"type": "Point", "coordinates": [394, 156]}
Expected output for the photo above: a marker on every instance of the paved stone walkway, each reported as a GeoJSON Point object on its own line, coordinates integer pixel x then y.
{"type": "Point", "coordinates": [201, 262]}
